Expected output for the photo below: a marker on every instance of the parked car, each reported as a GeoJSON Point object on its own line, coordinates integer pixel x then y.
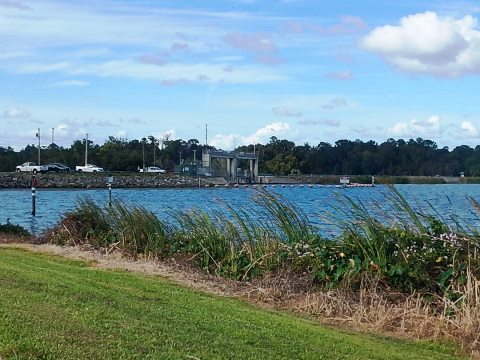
{"type": "Point", "coordinates": [89, 168]}
{"type": "Point", "coordinates": [31, 167]}
{"type": "Point", "coordinates": [57, 167]}
{"type": "Point", "coordinates": [154, 169]}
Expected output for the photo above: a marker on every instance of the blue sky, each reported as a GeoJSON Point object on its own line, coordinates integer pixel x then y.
{"type": "Point", "coordinates": [305, 70]}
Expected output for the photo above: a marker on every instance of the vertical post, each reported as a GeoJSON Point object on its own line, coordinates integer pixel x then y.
{"type": "Point", "coordinates": [109, 195]}
{"type": "Point", "coordinates": [86, 149]}
{"type": "Point", "coordinates": [195, 156]}
{"type": "Point", "coordinates": [143, 156]}
{"type": "Point", "coordinates": [154, 152]}
{"type": "Point", "coordinates": [33, 195]}
{"type": "Point", "coordinates": [38, 135]}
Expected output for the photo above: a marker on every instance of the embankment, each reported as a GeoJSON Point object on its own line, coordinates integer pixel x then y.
{"type": "Point", "coordinates": [75, 180]}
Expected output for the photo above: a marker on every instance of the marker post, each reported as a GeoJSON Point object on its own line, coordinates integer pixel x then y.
{"type": "Point", "coordinates": [34, 182]}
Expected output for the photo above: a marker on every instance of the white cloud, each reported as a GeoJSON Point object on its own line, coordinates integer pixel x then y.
{"type": "Point", "coordinates": [169, 74]}
{"type": "Point", "coordinates": [469, 129]}
{"type": "Point", "coordinates": [282, 111]}
{"type": "Point", "coordinates": [75, 122]}
{"type": "Point", "coordinates": [415, 128]}
{"type": "Point", "coordinates": [334, 104]}
{"type": "Point", "coordinates": [122, 134]}
{"type": "Point", "coordinates": [260, 136]}
{"type": "Point", "coordinates": [326, 122]}
{"type": "Point", "coordinates": [16, 113]}
{"type": "Point", "coordinates": [68, 83]}
{"type": "Point", "coordinates": [340, 75]}
{"type": "Point", "coordinates": [165, 135]}
{"type": "Point", "coordinates": [430, 44]}
{"type": "Point", "coordinates": [14, 4]}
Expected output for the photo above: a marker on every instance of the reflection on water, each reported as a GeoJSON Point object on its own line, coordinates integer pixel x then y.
{"type": "Point", "coordinates": [318, 203]}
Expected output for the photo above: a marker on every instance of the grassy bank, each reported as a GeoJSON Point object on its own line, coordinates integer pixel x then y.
{"type": "Point", "coordinates": [57, 309]}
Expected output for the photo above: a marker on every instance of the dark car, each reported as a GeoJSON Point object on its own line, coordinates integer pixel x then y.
{"type": "Point", "coordinates": [57, 167]}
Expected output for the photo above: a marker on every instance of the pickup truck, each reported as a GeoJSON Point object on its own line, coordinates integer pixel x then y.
{"type": "Point", "coordinates": [88, 168]}
{"type": "Point", "coordinates": [31, 167]}
{"type": "Point", "coordinates": [154, 169]}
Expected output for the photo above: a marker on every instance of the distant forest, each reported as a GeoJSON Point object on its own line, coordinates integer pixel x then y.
{"type": "Point", "coordinates": [279, 157]}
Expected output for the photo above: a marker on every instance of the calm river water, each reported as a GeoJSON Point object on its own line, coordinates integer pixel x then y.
{"type": "Point", "coordinates": [316, 202]}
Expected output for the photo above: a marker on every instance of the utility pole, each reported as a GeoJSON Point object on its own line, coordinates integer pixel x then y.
{"type": "Point", "coordinates": [143, 155]}
{"type": "Point", "coordinates": [206, 134]}
{"type": "Point", "coordinates": [53, 135]}
{"type": "Point", "coordinates": [195, 156]}
{"type": "Point", "coordinates": [86, 149]}
{"type": "Point", "coordinates": [38, 135]}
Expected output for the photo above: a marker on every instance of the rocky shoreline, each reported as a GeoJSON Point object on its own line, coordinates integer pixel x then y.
{"type": "Point", "coordinates": [11, 180]}
{"type": "Point", "coordinates": [87, 181]}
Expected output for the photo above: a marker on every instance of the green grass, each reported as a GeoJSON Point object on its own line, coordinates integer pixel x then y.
{"type": "Point", "coordinates": [53, 308]}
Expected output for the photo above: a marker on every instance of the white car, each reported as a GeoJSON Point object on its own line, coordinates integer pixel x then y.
{"type": "Point", "coordinates": [31, 167]}
{"type": "Point", "coordinates": [154, 169]}
{"type": "Point", "coordinates": [89, 168]}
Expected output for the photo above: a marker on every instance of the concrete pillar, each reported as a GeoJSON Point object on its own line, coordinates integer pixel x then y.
{"type": "Point", "coordinates": [251, 170]}
{"type": "Point", "coordinates": [255, 171]}
{"type": "Point", "coordinates": [234, 171]}
{"type": "Point", "coordinates": [229, 169]}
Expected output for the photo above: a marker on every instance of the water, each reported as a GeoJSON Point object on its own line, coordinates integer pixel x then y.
{"type": "Point", "coordinates": [317, 202]}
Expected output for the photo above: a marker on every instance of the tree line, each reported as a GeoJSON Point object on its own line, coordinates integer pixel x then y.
{"type": "Point", "coordinates": [280, 157]}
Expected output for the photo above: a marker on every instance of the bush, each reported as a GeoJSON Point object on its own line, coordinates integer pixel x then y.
{"type": "Point", "coordinates": [12, 229]}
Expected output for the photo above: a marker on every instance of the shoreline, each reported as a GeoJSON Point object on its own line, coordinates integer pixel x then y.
{"type": "Point", "coordinates": [12, 180]}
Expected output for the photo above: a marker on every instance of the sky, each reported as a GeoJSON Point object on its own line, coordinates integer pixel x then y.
{"type": "Point", "coordinates": [309, 71]}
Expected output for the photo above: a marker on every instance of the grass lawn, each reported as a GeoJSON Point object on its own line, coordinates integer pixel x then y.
{"type": "Point", "coordinates": [52, 308]}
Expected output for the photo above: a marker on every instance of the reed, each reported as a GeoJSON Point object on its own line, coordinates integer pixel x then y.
{"type": "Point", "coordinates": [406, 249]}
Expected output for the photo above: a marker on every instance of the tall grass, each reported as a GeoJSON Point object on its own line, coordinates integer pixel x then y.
{"type": "Point", "coordinates": [405, 249]}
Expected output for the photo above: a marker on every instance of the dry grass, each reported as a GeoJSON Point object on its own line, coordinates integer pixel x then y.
{"type": "Point", "coordinates": [378, 310]}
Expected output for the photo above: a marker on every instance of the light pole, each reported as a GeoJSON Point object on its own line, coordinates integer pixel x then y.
{"type": "Point", "coordinates": [143, 155]}
{"type": "Point", "coordinates": [38, 135]}
{"type": "Point", "coordinates": [86, 149]}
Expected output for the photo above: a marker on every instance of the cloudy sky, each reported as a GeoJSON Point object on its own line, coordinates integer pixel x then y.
{"type": "Point", "coordinates": [305, 70]}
